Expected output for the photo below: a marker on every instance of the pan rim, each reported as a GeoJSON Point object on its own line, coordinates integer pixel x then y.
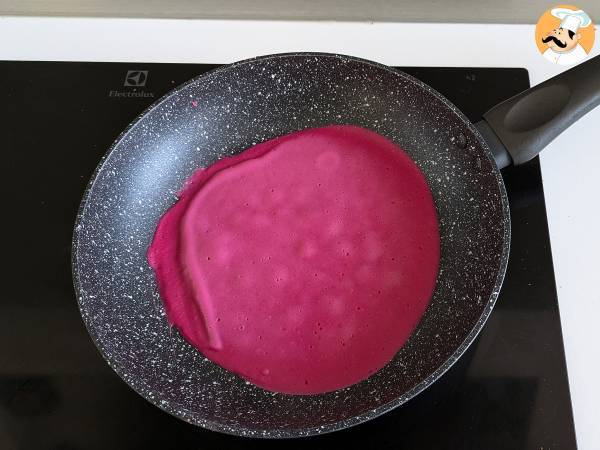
{"type": "Point", "coordinates": [141, 388]}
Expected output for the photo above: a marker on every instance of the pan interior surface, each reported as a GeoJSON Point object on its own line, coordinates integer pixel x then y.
{"type": "Point", "coordinates": [223, 113]}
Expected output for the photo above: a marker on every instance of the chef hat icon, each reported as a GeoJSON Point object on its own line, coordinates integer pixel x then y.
{"type": "Point", "coordinates": [571, 20]}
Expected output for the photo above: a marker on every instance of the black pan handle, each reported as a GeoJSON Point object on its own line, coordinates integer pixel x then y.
{"type": "Point", "coordinates": [520, 127]}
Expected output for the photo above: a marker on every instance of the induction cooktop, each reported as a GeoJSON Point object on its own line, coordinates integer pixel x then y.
{"type": "Point", "coordinates": [509, 391]}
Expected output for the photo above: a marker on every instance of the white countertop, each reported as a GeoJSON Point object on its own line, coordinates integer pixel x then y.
{"type": "Point", "coordinates": [569, 165]}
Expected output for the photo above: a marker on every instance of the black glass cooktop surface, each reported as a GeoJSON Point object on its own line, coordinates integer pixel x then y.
{"type": "Point", "coordinates": [509, 391]}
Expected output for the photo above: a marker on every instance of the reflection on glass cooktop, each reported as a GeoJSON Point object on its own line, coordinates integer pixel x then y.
{"type": "Point", "coordinates": [509, 391]}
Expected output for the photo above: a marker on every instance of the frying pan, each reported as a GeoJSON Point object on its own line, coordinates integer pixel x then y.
{"type": "Point", "coordinates": [231, 108]}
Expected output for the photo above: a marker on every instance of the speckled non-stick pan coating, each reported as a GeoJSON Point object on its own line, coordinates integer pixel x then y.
{"type": "Point", "coordinates": [222, 113]}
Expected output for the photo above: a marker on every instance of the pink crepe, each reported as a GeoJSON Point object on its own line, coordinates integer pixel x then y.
{"type": "Point", "coordinates": [304, 263]}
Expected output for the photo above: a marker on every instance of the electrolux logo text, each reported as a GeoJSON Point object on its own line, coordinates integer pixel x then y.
{"type": "Point", "coordinates": [133, 79]}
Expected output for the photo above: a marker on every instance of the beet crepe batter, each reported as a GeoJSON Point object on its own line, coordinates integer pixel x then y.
{"type": "Point", "coordinates": [304, 263]}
